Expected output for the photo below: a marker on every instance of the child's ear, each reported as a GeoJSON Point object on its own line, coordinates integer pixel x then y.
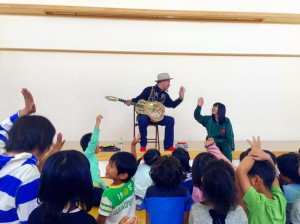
{"type": "Point", "coordinates": [123, 176]}
{"type": "Point", "coordinates": [258, 181]}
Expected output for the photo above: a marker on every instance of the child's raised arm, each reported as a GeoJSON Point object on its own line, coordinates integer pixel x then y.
{"type": "Point", "coordinates": [212, 148]}
{"type": "Point", "coordinates": [98, 121]}
{"type": "Point", "coordinates": [133, 145]}
{"type": "Point", "coordinates": [259, 155]}
{"type": "Point", "coordinates": [55, 148]}
{"type": "Point", "coordinates": [245, 166]}
{"type": "Point", "coordinates": [29, 107]}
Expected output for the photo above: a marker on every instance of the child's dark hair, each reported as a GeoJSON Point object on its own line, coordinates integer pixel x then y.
{"type": "Point", "coordinates": [84, 141]}
{"type": "Point", "coordinates": [219, 187]}
{"type": "Point", "coordinates": [245, 153]}
{"type": "Point", "coordinates": [221, 113]}
{"type": "Point", "coordinates": [167, 172]}
{"type": "Point", "coordinates": [65, 178]}
{"type": "Point", "coordinates": [150, 157]}
{"type": "Point", "coordinates": [30, 132]}
{"type": "Point", "coordinates": [288, 165]}
{"type": "Point", "coordinates": [184, 158]}
{"type": "Point", "coordinates": [125, 163]}
{"type": "Point", "coordinates": [199, 163]}
{"type": "Point", "coordinates": [221, 164]}
{"type": "Point", "coordinates": [265, 170]}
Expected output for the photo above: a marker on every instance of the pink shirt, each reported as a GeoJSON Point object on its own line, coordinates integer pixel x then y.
{"type": "Point", "coordinates": [197, 195]}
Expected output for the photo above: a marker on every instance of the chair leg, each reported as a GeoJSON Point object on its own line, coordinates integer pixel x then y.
{"type": "Point", "coordinates": [157, 138]}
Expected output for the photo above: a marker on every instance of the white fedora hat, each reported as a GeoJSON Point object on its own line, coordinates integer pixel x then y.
{"type": "Point", "coordinates": [163, 76]}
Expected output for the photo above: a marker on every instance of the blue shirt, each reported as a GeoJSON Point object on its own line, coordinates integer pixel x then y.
{"type": "Point", "coordinates": [167, 205]}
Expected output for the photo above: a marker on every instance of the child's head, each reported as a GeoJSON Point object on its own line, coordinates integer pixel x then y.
{"type": "Point", "coordinates": [167, 172]}
{"type": "Point", "coordinates": [288, 165]}
{"type": "Point", "coordinates": [221, 164]}
{"type": "Point", "coordinates": [264, 171]}
{"type": "Point", "coordinates": [200, 161]}
{"type": "Point", "coordinates": [84, 142]}
{"type": "Point", "coordinates": [184, 158]}
{"type": "Point", "coordinates": [124, 164]}
{"type": "Point", "coordinates": [245, 153]}
{"type": "Point", "coordinates": [65, 181]}
{"type": "Point", "coordinates": [150, 157]}
{"type": "Point", "coordinates": [32, 134]}
{"type": "Point", "coordinates": [219, 187]}
{"type": "Point", "coordinates": [220, 110]}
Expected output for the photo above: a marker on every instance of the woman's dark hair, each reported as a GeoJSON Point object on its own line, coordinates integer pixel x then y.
{"type": "Point", "coordinates": [199, 163]}
{"type": "Point", "coordinates": [65, 178]}
{"type": "Point", "coordinates": [219, 187]}
{"type": "Point", "coordinates": [184, 158]}
{"type": "Point", "coordinates": [221, 113]}
{"type": "Point", "coordinates": [30, 132]}
{"type": "Point", "coordinates": [150, 157]}
{"type": "Point", "coordinates": [125, 163]}
{"type": "Point", "coordinates": [167, 172]}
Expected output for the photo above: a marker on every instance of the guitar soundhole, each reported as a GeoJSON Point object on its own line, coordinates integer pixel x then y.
{"type": "Point", "coordinates": [155, 112]}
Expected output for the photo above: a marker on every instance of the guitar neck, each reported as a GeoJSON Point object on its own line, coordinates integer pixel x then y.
{"type": "Point", "coordinates": [123, 101]}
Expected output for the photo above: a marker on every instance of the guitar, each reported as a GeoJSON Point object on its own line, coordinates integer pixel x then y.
{"type": "Point", "coordinates": [155, 110]}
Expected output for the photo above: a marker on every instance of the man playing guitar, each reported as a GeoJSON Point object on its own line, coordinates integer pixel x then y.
{"type": "Point", "coordinates": [158, 93]}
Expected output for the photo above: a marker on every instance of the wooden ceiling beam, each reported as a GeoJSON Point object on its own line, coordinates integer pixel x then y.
{"type": "Point", "coordinates": [148, 14]}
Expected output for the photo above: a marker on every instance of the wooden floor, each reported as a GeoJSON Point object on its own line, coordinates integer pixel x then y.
{"type": "Point", "coordinates": [235, 154]}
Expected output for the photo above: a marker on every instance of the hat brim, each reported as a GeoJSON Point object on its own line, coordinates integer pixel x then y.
{"type": "Point", "coordinates": [162, 80]}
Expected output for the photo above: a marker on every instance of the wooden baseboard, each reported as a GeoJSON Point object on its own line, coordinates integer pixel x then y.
{"type": "Point", "coordinates": [105, 156]}
{"type": "Point", "coordinates": [195, 147]}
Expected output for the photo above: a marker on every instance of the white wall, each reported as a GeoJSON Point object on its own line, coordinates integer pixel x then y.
{"type": "Point", "coordinates": [261, 93]}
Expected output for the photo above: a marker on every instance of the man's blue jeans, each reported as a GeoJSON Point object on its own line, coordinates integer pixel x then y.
{"type": "Point", "coordinates": [168, 122]}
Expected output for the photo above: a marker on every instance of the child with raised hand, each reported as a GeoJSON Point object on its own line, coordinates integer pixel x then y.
{"type": "Point", "coordinates": [199, 163]}
{"type": "Point", "coordinates": [142, 179]}
{"type": "Point", "coordinates": [212, 148]}
{"type": "Point", "coordinates": [220, 204]}
{"type": "Point", "coordinates": [184, 158]}
{"type": "Point", "coordinates": [264, 200]}
{"type": "Point", "coordinates": [90, 145]}
{"type": "Point", "coordinates": [6, 124]}
{"type": "Point", "coordinates": [65, 190]}
{"type": "Point", "coordinates": [29, 140]}
{"type": "Point", "coordinates": [288, 165]}
{"type": "Point", "coordinates": [118, 200]}
{"type": "Point", "coordinates": [166, 201]}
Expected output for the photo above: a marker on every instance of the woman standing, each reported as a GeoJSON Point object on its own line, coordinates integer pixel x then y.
{"type": "Point", "coordinates": [218, 127]}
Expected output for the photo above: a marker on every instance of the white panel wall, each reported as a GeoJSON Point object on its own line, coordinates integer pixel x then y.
{"type": "Point", "coordinates": [132, 35]}
{"type": "Point", "coordinates": [261, 93]}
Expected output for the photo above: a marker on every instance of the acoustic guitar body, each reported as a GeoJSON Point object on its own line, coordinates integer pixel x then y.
{"type": "Point", "coordinates": [155, 110]}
